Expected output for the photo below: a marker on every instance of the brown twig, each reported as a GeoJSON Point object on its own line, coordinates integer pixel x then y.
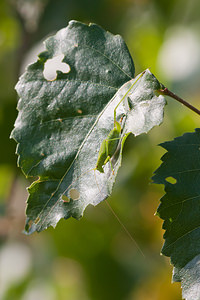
{"type": "Point", "coordinates": [166, 92]}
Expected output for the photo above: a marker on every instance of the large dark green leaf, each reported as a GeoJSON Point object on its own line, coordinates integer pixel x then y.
{"type": "Point", "coordinates": [180, 209]}
{"type": "Point", "coordinates": [62, 123]}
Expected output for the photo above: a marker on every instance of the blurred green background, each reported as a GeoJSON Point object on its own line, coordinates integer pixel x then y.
{"type": "Point", "coordinates": [94, 259]}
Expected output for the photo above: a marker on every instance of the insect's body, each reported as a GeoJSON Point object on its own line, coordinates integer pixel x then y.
{"type": "Point", "coordinates": [110, 144]}
{"type": "Point", "coordinates": [108, 147]}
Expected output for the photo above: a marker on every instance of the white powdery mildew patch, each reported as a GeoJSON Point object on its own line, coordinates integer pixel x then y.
{"type": "Point", "coordinates": [146, 115]}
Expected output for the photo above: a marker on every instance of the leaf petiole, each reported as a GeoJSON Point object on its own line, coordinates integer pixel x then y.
{"type": "Point", "coordinates": [167, 92]}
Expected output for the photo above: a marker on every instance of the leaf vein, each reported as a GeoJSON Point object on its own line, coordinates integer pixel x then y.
{"type": "Point", "coordinates": [185, 200]}
{"type": "Point", "coordinates": [181, 237]}
{"type": "Point", "coordinates": [112, 61]}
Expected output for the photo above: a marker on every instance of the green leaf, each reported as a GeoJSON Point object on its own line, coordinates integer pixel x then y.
{"type": "Point", "coordinates": [62, 123]}
{"type": "Point", "coordinates": [180, 209]}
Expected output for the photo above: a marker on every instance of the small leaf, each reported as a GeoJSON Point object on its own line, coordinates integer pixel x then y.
{"type": "Point", "coordinates": [62, 123]}
{"type": "Point", "coordinates": [180, 209]}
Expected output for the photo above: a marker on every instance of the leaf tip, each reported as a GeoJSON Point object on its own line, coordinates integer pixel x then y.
{"type": "Point", "coordinates": [30, 227]}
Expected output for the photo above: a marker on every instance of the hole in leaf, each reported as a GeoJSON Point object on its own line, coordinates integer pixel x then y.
{"type": "Point", "coordinates": [171, 180]}
{"type": "Point", "coordinates": [74, 194]}
{"type": "Point", "coordinates": [55, 64]}
{"type": "Point", "coordinates": [65, 198]}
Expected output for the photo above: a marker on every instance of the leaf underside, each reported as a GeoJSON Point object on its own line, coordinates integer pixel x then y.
{"type": "Point", "coordinates": [180, 209]}
{"type": "Point", "coordinates": [62, 123]}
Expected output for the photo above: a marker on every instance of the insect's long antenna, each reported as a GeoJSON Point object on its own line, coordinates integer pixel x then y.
{"type": "Point", "coordinates": [118, 219]}
{"type": "Point", "coordinates": [124, 227]}
{"type": "Point", "coordinates": [136, 80]}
